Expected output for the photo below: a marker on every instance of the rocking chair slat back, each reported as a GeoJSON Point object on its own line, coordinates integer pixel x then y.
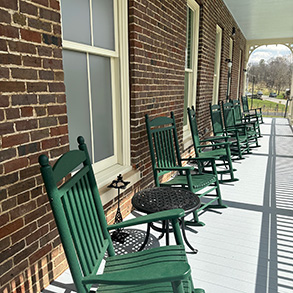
{"type": "Point", "coordinates": [229, 115]}
{"type": "Point", "coordinates": [76, 208]}
{"type": "Point", "coordinates": [244, 101]}
{"type": "Point", "coordinates": [161, 142]}
{"type": "Point", "coordinates": [217, 121]}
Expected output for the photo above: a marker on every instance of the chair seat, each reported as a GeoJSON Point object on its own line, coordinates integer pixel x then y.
{"type": "Point", "coordinates": [149, 288]}
{"type": "Point", "coordinates": [198, 181]}
{"type": "Point", "coordinates": [142, 260]}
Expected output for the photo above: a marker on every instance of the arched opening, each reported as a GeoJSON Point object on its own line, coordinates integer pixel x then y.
{"type": "Point", "coordinates": [269, 77]}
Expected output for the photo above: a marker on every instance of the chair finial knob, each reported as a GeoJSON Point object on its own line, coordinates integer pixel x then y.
{"type": "Point", "coordinates": [43, 160]}
{"type": "Point", "coordinates": [80, 140]}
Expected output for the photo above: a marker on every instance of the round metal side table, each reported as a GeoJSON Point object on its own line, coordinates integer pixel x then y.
{"type": "Point", "coordinates": [159, 199]}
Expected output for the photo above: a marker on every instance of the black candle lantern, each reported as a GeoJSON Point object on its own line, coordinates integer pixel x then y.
{"type": "Point", "coordinates": [118, 235]}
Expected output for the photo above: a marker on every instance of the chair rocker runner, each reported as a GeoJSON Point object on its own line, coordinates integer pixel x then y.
{"type": "Point", "coordinates": [165, 157]}
{"type": "Point", "coordinates": [255, 112]}
{"type": "Point", "coordinates": [238, 143]}
{"type": "Point", "coordinates": [220, 149]}
{"type": "Point", "coordinates": [83, 230]}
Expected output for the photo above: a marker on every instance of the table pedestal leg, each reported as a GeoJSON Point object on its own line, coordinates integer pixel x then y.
{"type": "Point", "coordinates": [146, 237]}
{"type": "Point", "coordinates": [167, 232]}
{"type": "Point", "coordinates": [185, 238]}
{"type": "Point", "coordinates": [163, 230]}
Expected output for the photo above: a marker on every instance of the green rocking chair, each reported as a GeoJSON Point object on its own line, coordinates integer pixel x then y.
{"type": "Point", "coordinates": [238, 142]}
{"type": "Point", "coordinates": [249, 120]}
{"type": "Point", "coordinates": [166, 159]}
{"type": "Point", "coordinates": [231, 124]}
{"type": "Point", "coordinates": [254, 112]}
{"type": "Point", "coordinates": [83, 230]}
{"type": "Point", "coordinates": [219, 147]}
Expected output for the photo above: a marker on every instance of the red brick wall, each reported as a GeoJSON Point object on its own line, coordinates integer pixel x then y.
{"type": "Point", "coordinates": [215, 13]}
{"type": "Point", "coordinates": [32, 121]}
{"type": "Point", "coordinates": [157, 31]}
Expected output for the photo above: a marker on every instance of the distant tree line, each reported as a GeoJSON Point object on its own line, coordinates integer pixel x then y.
{"type": "Point", "coordinates": [275, 74]}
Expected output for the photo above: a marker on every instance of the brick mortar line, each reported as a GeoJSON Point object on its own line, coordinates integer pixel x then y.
{"type": "Point", "coordinates": [158, 14]}
{"type": "Point", "coordinates": [144, 29]}
{"type": "Point", "coordinates": [33, 29]}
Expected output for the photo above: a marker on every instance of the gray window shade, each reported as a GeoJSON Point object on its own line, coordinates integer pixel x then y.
{"type": "Point", "coordinates": [76, 21]}
{"type": "Point", "coordinates": [103, 24]}
{"type": "Point", "coordinates": [101, 93]}
{"type": "Point", "coordinates": [75, 75]}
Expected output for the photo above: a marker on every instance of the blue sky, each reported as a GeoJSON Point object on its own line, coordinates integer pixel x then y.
{"type": "Point", "coordinates": [268, 52]}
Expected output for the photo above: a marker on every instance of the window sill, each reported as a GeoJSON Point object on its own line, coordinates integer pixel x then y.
{"type": "Point", "coordinates": [105, 178]}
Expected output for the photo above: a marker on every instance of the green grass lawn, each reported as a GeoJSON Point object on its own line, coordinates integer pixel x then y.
{"type": "Point", "coordinates": [269, 106]}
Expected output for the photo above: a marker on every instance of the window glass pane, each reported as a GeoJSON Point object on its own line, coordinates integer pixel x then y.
{"type": "Point", "coordinates": [103, 24]}
{"type": "Point", "coordinates": [100, 71]}
{"type": "Point", "coordinates": [189, 39]}
{"type": "Point", "coordinates": [75, 75]}
{"type": "Point", "coordinates": [76, 21]}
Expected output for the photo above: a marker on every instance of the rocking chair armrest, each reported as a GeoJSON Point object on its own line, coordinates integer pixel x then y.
{"type": "Point", "coordinates": [249, 116]}
{"type": "Point", "coordinates": [249, 112]}
{"type": "Point", "coordinates": [241, 125]}
{"type": "Point", "coordinates": [250, 119]}
{"type": "Point", "coordinates": [236, 127]}
{"type": "Point", "coordinates": [238, 132]}
{"type": "Point", "coordinates": [212, 158]}
{"type": "Point", "coordinates": [150, 273]}
{"type": "Point", "coordinates": [213, 138]}
{"type": "Point", "coordinates": [164, 215]}
{"type": "Point", "coordinates": [214, 144]}
{"type": "Point", "coordinates": [178, 168]}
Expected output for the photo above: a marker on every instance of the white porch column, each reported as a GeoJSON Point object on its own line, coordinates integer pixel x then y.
{"type": "Point", "coordinates": [290, 106]}
{"type": "Point", "coordinates": [246, 57]}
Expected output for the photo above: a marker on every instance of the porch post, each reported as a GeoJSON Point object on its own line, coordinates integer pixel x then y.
{"type": "Point", "coordinates": [290, 106]}
{"type": "Point", "coordinates": [246, 57]}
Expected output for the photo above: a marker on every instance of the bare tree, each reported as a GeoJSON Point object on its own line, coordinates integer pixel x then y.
{"type": "Point", "coordinates": [279, 73]}
{"type": "Point", "coordinates": [275, 74]}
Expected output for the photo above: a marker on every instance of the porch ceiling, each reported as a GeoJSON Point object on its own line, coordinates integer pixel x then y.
{"type": "Point", "coordinates": [263, 19]}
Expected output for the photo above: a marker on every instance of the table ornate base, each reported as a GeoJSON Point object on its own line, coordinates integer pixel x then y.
{"type": "Point", "coordinates": [165, 198]}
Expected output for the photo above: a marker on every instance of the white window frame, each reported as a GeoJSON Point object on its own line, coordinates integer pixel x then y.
{"type": "Point", "coordinates": [108, 169]}
{"type": "Point", "coordinates": [218, 53]}
{"type": "Point", "coordinates": [231, 49]}
{"type": "Point", "coordinates": [192, 72]}
{"type": "Point", "coordinates": [231, 46]}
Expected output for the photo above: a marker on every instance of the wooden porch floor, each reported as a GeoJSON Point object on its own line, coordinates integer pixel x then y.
{"type": "Point", "coordinates": [247, 247]}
